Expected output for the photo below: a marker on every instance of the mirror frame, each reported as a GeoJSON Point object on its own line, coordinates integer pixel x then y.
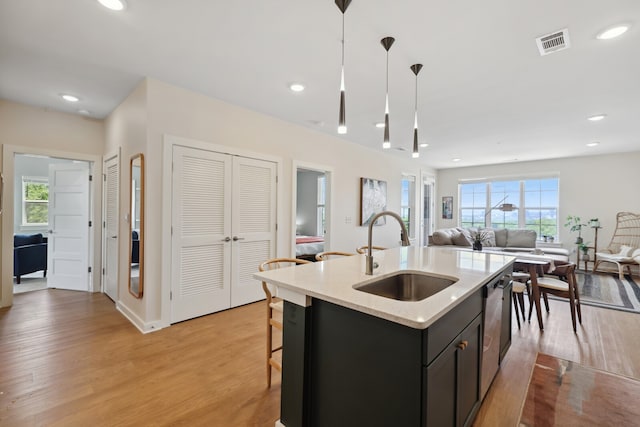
{"type": "Point", "coordinates": [132, 291]}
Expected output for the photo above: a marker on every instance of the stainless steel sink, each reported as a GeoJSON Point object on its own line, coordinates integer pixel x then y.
{"type": "Point", "coordinates": [405, 286]}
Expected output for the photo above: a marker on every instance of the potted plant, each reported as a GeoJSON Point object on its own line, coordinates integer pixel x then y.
{"type": "Point", "coordinates": [585, 251]}
{"type": "Point", "coordinates": [574, 223]}
{"type": "Point", "coordinates": [479, 237]}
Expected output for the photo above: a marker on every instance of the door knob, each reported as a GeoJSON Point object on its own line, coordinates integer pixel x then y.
{"type": "Point", "coordinates": [114, 237]}
{"type": "Point", "coordinates": [236, 238]}
{"type": "Point", "coordinates": [226, 239]}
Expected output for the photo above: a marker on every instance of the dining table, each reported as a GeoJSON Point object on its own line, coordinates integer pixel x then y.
{"type": "Point", "coordinates": [535, 267]}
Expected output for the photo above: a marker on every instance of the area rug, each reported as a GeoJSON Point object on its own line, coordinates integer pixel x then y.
{"type": "Point", "coordinates": [563, 393]}
{"type": "Point", "coordinates": [608, 291]}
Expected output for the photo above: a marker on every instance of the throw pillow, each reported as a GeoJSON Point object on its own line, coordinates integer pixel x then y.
{"type": "Point", "coordinates": [459, 239]}
{"type": "Point", "coordinates": [441, 238]}
{"type": "Point", "coordinates": [490, 237]}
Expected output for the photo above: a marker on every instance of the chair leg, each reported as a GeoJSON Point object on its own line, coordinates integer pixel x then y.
{"type": "Point", "coordinates": [572, 306]}
{"type": "Point", "coordinates": [269, 345]}
{"type": "Point", "coordinates": [521, 301]}
{"type": "Point", "coordinates": [546, 301]}
{"type": "Point", "coordinates": [18, 280]}
{"type": "Point", "coordinates": [515, 307]}
{"type": "Point", "coordinates": [44, 274]}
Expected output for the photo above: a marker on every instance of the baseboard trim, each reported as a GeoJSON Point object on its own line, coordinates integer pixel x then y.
{"type": "Point", "coordinates": [144, 327]}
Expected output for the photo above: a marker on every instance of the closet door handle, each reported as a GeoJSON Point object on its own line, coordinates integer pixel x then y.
{"type": "Point", "coordinates": [236, 238]}
{"type": "Point", "coordinates": [226, 239]}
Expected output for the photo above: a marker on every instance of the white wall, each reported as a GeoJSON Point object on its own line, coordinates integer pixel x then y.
{"type": "Point", "coordinates": [37, 129]}
{"type": "Point", "coordinates": [590, 187]}
{"type": "Point", "coordinates": [126, 128]}
{"type": "Point", "coordinates": [169, 110]}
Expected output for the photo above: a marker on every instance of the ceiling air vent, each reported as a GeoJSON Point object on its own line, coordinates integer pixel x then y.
{"type": "Point", "coordinates": [553, 42]}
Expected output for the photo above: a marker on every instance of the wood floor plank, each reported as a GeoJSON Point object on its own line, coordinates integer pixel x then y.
{"type": "Point", "coordinates": [70, 359]}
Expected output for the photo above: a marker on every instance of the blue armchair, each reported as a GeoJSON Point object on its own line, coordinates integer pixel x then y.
{"type": "Point", "coordinates": [29, 254]}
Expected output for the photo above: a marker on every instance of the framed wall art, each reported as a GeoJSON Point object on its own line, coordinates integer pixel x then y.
{"type": "Point", "coordinates": [373, 200]}
{"type": "Point", "coordinates": [447, 207]}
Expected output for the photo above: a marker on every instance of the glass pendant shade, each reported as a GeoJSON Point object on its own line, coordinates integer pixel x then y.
{"type": "Point", "coordinates": [416, 151]}
{"type": "Point", "coordinates": [342, 121]}
{"type": "Point", "coordinates": [342, 116]}
{"type": "Point", "coordinates": [387, 42]}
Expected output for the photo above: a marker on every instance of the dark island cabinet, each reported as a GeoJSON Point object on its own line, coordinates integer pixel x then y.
{"type": "Point", "coordinates": [452, 380]}
{"type": "Point", "coordinates": [342, 367]}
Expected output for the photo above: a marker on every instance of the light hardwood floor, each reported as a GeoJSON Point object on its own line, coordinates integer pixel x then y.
{"type": "Point", "coordinates": [69, 359]}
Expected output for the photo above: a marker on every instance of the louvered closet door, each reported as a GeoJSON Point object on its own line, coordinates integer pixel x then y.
{"type": "Point", "coordinates": [254, 225]}
{"type": "Point", "coordinates": [201, 221]}
{"type": "Point", "coordinates": [111, 228]}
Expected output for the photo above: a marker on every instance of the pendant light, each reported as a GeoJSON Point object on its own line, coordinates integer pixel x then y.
{"type": "Point", "coordinates": [416, 69]}
{"type": "Point", "coordinates": [387, 42]}
{"type": "Point", "coordinates": [342, 121]}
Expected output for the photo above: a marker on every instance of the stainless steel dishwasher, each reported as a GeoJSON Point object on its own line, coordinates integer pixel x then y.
{"type": "Point", "coordinates": [493, 293]}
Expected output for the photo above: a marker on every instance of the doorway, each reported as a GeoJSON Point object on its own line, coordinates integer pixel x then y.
{"type": "Point", "coordinates": [427, 218]}
{"type": "Point", "coordinates": [312, 211]}
{"type": "Point", "coordinates": [48, 196]}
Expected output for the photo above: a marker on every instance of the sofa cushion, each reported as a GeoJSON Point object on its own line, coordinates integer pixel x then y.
{"type": "Point", "coordinates": [442, 237]}
{"type": "Point", "coordinates": [521, 238]}
{"type": "Point", "coordinates": [501, 236]}
{"type": "Point", "coordinates": [459, 239]}
{"type": "Point", "coordinates": [27, 239]}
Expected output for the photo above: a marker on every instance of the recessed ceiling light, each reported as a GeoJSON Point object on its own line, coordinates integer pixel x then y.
{"type": "Point", "coordinates": [380, 125]}
{"type": "Point", "coordinates": [613, 32]}
{"type": "Point", "coordinates": [70, 98]}
{"type": "Point", "coordinates": [424, 144]}
{"type": "Point", "coordinates": [84, 112]}
{"type": "Point", "coordinates": [593, 144]}
{"type": "Point", "coordinates": [117, 5]}
{"type": "Point", "coordinates": [456, 160]}
{"type": "Point", "coordinates": [597, 117]}
{"type": "Point", "coordinates": [296, 87]}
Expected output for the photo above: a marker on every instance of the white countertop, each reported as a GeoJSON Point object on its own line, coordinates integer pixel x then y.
{"type": "Point", "coordinates": [334, 281]}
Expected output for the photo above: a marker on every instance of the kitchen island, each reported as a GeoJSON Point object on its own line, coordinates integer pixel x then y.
{"type": "Point", "coordinates": [355, 358]}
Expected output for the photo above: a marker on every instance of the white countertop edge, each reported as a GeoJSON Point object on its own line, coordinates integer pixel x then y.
{"type": "Point", "coordinates": [334, 282]}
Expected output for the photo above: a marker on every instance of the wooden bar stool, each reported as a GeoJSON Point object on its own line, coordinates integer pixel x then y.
{"type": "Point", "coordinates": [275, 304]}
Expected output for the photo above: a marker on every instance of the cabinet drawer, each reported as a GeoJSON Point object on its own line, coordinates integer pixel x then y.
{"type": "Point", "coordinates": [441, 333]}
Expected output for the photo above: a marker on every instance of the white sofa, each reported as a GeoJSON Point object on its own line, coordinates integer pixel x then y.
{"type": "Point", "coordinates": [502, 239]}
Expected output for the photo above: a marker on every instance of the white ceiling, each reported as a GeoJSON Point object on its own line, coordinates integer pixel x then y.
{"type": "Point", "coordinates": [485, 94]}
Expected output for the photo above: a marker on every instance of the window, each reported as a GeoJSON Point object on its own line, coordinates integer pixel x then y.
{"type": "Point", "coordinates": [320, 226]}
{"type": "Point", "coordinates": [473, 204]}
{"type": "Point", "coordinates": [535, 201]}
{"type": "Point", "coordinates": [35, 201]}
{"type": "Point", "coordinates": [408, 202]}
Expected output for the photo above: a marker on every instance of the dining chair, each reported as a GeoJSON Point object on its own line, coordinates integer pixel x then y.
{"type": "Point", "coordinates": [565, 286]}
{"type": "Point", "coordinates": [363, 249]}
{"type": "Point", "coordinates": [323, 256]}
{"type": "Point", "coordinates": [275, 304]}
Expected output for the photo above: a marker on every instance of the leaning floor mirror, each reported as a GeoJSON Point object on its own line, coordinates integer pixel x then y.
{"type": "Point", "coordinates": [136, 226]}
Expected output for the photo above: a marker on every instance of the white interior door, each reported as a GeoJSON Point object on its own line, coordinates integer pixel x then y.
{"type": "Point", "coordinates": [110, 227]}
{"type": "Point", "coordinates": [201, 239]}
{"type": "Point", "coordinates": [253, 225]}
{"type": "Point", "coordinates": [68, 244]}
